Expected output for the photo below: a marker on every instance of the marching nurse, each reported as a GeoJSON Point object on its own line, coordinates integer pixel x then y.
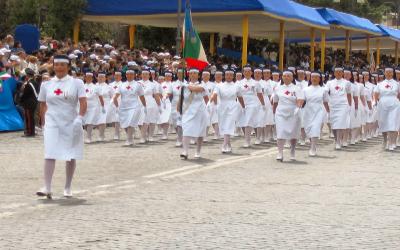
{"type": "Point", "coordinates": [63, 133]}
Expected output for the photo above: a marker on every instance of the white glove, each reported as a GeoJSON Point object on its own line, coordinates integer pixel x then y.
{"type": "Point", "coordinates": [77, 124]}
{"type": "Point", "coordinates": [296, 111]}
{"type": "Point", "coordinates": [103, 110]}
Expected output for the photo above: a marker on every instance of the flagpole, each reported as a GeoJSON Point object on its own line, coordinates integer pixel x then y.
{"type": "Point", "coordinates": [178, 30]}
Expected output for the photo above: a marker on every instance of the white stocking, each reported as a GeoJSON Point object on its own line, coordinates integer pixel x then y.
{"type": "Point", "coordinates": [70, 167]}
{"type": "Point", "coordinates": [49, 166]}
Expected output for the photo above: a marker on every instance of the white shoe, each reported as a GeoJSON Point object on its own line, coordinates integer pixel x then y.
{"type": "Point", "coordinates": [287, 145]}
{"type": "Point", "coordinates": [257, 142]}
{"type": "Point", "coordinates": [67, 193]}
{"type": "Point", "coordinates": [128, 143]}
{"type": "Point", "coordinates": [116, 137]}
{"type": "Point", "coordinates": [312, 153]}
{"type": "Point", "coordinates": [192, 142]}
{"type": "Point", "coordinates": [197, 155]}
{"type": "Point", "coordinates": [101, 139]}
{"type": "Point", "coordinates": [246, 145]}
{"type": "Point", "coordinates": [151, 139]}
{"type": "Point", "coordinates": [204, 140]}
{"type": "Point", "coordinates": [338, 147]}
{"type": "Point", "coordinates": [331, 135]}
{"type": "Point", "coordinates": [215, 137]}
{"type": "Point", "coordinates": [302, 142]}
{"type": "Point", "coordinates": [267, 140]}
{"type": "Point", "coordinates": [391, 148]}
{"type": "Point", "coordinates": [164, 138]}
{"type": "Point", "coordinates": [279, 158]}
{"type": "Point", "coordinates": [142, 141]}
{"type": "Point", "coordinates": [228, 150]}
{"type": "Point", "coordinates": [178, 144]}
{"type": "Point", "coordinates": [88, 141]}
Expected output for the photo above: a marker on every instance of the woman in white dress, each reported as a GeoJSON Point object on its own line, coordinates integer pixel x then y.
{"type": "Point", "coordinates": [355, 121]}
{"type": "Point", "coordinates": [268, 87]}
{"type": "Point", "coordinates": [262, 116]}
{"type": "Point", "coordinates": [95, 106]}
{"type": "Point", "coordinates": [165, 96]}
{"type": "Point", "coordinates": [175, 119]}
{"type": "Point", "coordinates": [153, 108]}
{"type": "Point", "coordinates": [225, 95]}
{"type": "Point", "coordinates": [387, 93]}
{"type": "Point", "coordinates": [371, 112]}
{"type": "Point", "coordinates": [129, 107]}
{"type": "Point", "coordinates": [315, 109]}
{"type": "Point", "coordinates": [238, 79]}
{"type": "Point", "coordinates": [113, 109]}
{"type": "Point", "coordinates": [192, 106]}
{"type": "Point", "coordinates": [254, 103]}
{"type": "Point", "coordinates": [288, 101]}
{"type": "Point", "coordinates": [339, 90]}
{"type": "Point", "coordinates": [106, 91]}
{"type": "Point", "coordinates": [364, 108]}
{"type": "Point", "coordinates": [63, 133]}
{"type": "Point", "coordinates": [212, 109]}
{"type": "Point", "coordinates": [302, 83]}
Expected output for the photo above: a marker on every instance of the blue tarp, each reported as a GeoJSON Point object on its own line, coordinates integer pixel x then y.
{"type": "Point", "coordinates": [392, 33]}
{"type": "Point", "coordinates": [10, 120]}
{"type": "Point", "coordinates": [29, 37]}
{"type": "Point", "coordinates": [349, 21]}
{"type": "Point", "coordinates": [283, 9]}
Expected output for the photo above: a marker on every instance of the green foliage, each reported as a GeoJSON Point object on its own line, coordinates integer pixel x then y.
{"type": "Point", "coordinates": [56, 18]}
{"type": "Point", "coordinates": [373, 9]}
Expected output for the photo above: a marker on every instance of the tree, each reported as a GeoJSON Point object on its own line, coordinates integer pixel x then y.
{"type": "Point", "coordinates": [373, 10]}
{"type": "Point", "coordinates": [57, 17]}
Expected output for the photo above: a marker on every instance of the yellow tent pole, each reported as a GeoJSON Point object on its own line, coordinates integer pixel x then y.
{"type": "Point", "coordinates": [76, 32]}
{"type": "Point", "coordinates": [245, 40]}
{"type": "Point", "coordinates": [212, 42]}
{"type": "Point", "coordinates": [323, 45]}
{"type": "Point", "coordinates": [347, 46]}
{"type": "Point", "coordinates": [396, 53]}
{"type": "Point", "coordinates": [378, 52]}
{"type": "Point", "coordinates": [281, 43]}
{"type": "Point", "coordinates": [132, 29]}
{"type": "Point", "coordinates": [368, 49]}
{"type": "Point", "coordinates": [312, 47]}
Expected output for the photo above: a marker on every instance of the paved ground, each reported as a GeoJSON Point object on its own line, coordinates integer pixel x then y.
{"type": "Point", "coordinates": [146, 198]}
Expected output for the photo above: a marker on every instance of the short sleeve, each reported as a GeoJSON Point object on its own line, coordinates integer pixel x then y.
{"type": "Point", "coordinates": [376, 89]}
{"type": "Point", "coordinates": [42, 93]}
{"type": "Point", "coordinates": [216, 90]}
{"type": "Point", "coordinates": [140, 90]}
{"type": "Point", "coordinates": [238, 91]}
{"type": "Point", "coordinates": [118, 89]}
{"type": "Point", "coordinates": [81, 88]}
{"type": "Point", "coordinates": [299, 93]}
{"type": "Point", "coordinates": [258, 88]}
{"type": "Point", "coordinates": [348, 88]}
{"type": "Point", "coordinates": [325, 96]}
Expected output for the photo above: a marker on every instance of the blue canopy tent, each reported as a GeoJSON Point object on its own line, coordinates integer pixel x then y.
{"type": "Point", "coordinates": [254, 18]}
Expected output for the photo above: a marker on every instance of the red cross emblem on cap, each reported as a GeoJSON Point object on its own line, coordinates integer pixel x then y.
{"type": "Point", "coordinates": [58, 92]}
{"type": "Point", "coordinates": [287, 92]}
{"type": "Point", "coordinates": [387, 86]}
{"type": "Point", "coordinates": [128, 87]}
{"type": "Point", "coordinates": [337, 87]}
